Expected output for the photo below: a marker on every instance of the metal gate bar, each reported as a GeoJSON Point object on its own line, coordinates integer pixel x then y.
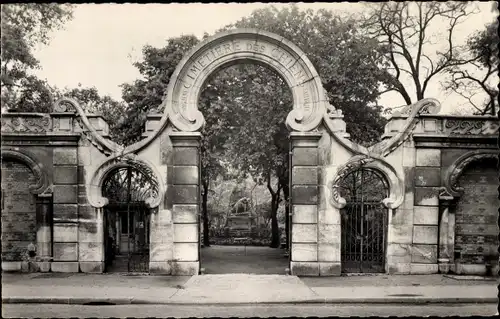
{"type": "Point", "coordinates": [364, 224]}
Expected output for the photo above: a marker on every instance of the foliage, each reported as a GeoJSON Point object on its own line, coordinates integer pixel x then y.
{"type": "Point", "coordinates": [145, 95]}
{"type": "Point", "coordinates": [409, 31]}
{"type": "Point", "coordinates": [348, 62]}
{"type": "Point", "coordinates": [23, 27]}
{"type": "Point", "coordinates": [480, 75]}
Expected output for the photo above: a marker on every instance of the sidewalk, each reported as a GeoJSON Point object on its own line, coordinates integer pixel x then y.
{"type": "Point", "coordinates": [242, 289]}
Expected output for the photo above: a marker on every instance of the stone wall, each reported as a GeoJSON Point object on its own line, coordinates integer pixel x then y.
{"type": "Point", "coordinates": [476, 213]}
{"type": "Point", "coordinates": [18, 211]}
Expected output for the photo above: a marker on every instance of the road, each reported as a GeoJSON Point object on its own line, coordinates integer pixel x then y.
{"type": "Point", "coordinates": [304, 310]}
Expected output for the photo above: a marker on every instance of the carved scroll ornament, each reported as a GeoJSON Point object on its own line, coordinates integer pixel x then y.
{"type": "Point", "coordinates": [396, 186]}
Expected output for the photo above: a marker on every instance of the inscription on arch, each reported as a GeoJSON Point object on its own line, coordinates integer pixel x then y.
{"type": "Point", "coordinates": [242, 46]}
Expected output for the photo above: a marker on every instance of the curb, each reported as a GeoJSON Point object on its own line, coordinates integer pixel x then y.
{"type": "Point", "coordinates": [130, 301]}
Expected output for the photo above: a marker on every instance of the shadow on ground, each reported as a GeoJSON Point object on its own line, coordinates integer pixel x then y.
{"type": "Point", "coordinates": [244, 260]}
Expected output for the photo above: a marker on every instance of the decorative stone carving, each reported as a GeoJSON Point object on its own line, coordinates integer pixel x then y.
{"type": "Point", "coordinates": [26, 124]}
{"type": "Point", "coordinates": [229, 47]}
{"type": "Point", "coordinates": [65, 105]}
{"type": "Point", "coordinates": [94, 193]}
{"type": "Point", "coordinates": [470, 127]}
{"type": "Point", "coordinates": [105, 146]}
{"type": "Point", "coordinates": [456, 169]}
{"type": "Point", "coordinates": [425, 106]}
{"type": "Point", "coordinates": [353, 164]}
{"type": "Point", "coordinates": [396, 186]}
{"type": "Point", "coordinates": [42, 185]}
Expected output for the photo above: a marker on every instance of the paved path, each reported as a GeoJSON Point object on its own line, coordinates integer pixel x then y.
{"type": "Point", "coordinates": [240, 289]}
{"type": "Point", "coordinates": [243, 260]}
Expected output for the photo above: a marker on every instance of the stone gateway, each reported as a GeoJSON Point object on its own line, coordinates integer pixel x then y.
{"type": "Point", "coordinates": [55, 167]}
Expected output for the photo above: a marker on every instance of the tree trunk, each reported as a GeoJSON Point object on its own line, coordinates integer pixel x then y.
{"type": "Point", "coordinates": [275, 232]}
{"type": "Point", "coordinates": [287, 214]}
{"type": "Point", "coordinates": [204, 204]}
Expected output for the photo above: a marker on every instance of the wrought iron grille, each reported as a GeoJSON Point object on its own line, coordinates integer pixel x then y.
{"type": "Point", "coordinates": [363, 222]}
{"type": "Point", "coordinates": [127, 220]}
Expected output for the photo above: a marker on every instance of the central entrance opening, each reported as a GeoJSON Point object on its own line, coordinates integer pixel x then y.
{"type": "Point", "coordinates": [244, 171]}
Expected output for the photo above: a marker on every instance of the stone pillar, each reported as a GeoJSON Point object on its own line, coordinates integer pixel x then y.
{"type": "Point", "coordinates": [305, 199]}
{"type": "Point", "coordinates": [445, 254]}
{"type": "Point", "coordinates": [44, 231]}
{"type": "Point", "coordinates": [425, 240]}
{"type": "Point", "coordinates": [182, 201]}
{"type": "Point", "coordinates": [65, 198]}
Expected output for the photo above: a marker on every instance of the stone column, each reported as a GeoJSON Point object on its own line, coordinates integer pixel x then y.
{"type": "Point", "coordinates": [180, 251]}
{"type": "Point", "coordinates": [424, 249]}
{"type": "Point", "coordinates": [65, 195]}
{"type": "Point", "coordinates": [305, 199]}
{"type": "Point", "coordinates": [44, 231]}
{"type": "Point", "coordinates": [446, 233]}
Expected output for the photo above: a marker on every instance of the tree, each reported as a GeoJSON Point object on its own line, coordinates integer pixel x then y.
{"type": "Point", "coordinates": [480, 75]}
{"type": "Point", "coordinates": [410, 31]}
{"type": "Point", "coordinates": [350, 64]}
{"type": "Point", "coordinates": [25, 25]}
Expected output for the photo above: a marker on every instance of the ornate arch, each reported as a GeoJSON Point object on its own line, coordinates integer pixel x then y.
{"type": "Point", "coordinates": [396, 186]}
{"type": "Point", "coordinates": [236, 46]}
{"type": "Point", "coordinates": [42, 184]}
{"type": "Point", "coordinates": [95, 197]}
{"type": "Point", "coordinates": [457, 168]}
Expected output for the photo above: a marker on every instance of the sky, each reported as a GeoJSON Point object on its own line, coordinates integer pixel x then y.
{"type": "Point", "coordinates": [98, 46]}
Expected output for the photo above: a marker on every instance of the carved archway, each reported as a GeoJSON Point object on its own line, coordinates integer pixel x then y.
{"type": "Point", "coordinates": [232, 47]}
{"type": "Point", "coordinates": [457, 168]}
{"type": "Point", "coordinates": [396, 186]}
{"type": "Point", "coordinates": [95, 195]}
{"type": "Point", "coordinates": [42, 184]}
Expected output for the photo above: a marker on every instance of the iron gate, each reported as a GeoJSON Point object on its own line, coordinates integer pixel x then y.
{"type": "Point", "coordinates": [127, 220]}
{"type": "Point", "coordinates": [363, 222]}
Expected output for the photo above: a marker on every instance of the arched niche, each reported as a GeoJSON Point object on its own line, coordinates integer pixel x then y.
{"type": "Point", "coordinates": [456, 169]}
{"type": "Point", "coordinates": [95, 196]}
{"type": "Point", "coordinates": [395, 182]}
{"type": "Point", "coordinates": [42, 184]}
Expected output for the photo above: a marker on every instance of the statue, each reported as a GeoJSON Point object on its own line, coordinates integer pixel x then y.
{"type": "Point", "coordinates": [239, 222]}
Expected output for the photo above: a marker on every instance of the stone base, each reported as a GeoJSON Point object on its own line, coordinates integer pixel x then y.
{"type": "Point", "coordinates": [330, 269]}
{"type": "Point", "coordinates": [185, 268]}
{"type": "Point", "coordinates": [423, 269]}
{"type": "Point", "coordinates": [11, 266]}
{"type": "Point", "coordinates": [94, 267]}
{"type": "Point", "coordinates": [302, 268]}
{"type": "Point", "coordinates": [64, 266]}
{"type": "Point", "coordinates": [444, 268]}
{"type": "Point", "coordinates": [44, 266]}
{"type": "Point", "coordinates": [461, 269]}
{"type": "Point", "coordinates": [399, 269]}
{"type": "Point", "coordinates": [160, 268]}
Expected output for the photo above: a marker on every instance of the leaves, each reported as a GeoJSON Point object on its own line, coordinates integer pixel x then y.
{"type": "Point", "coordinates": [23, 27]}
